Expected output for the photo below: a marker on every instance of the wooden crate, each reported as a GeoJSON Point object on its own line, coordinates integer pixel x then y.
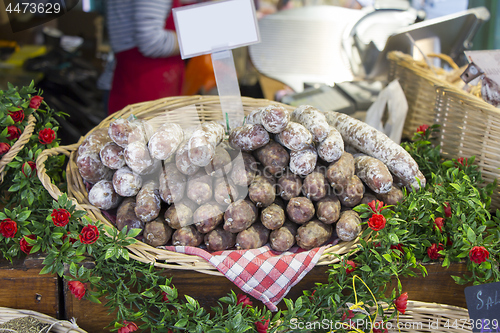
{"type": "Point", "coordinates": [22, 287]}
{"type": "Point", "coordinates": [437, 287]}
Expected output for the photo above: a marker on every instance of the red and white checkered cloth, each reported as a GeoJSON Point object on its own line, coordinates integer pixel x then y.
{"type": "Point", "coordinates": [263, 273]}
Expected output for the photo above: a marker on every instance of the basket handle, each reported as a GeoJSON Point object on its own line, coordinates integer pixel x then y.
{"type": "Point", "coordinates": [18, 146]}
{"type": "Point", "coordinates": [53, 190]}
{"type": "Point", "coordinates": [444, 57]}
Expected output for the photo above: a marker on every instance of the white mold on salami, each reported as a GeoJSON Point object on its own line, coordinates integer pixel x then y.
{"type": "Point", "coordinates": [248, 137]}
{"type": "Point", "coordinates": [314, 120]}
{"type": "Point", "coordinates": [295, 137]}
{"type": "Point", "coordinates": [148, 202]}
{"type": "Point", "coordinates": [332, 148]}
{"type": "Point", "coordinates": [138, 158]}
{"type": "Point", "coordinates": [126, 182]}
{"type": "Point", "coordinates": [373, 173]}
{"type": "Point", "coordinates": [255, 117]}
{"type": "Point", "coordinates": [91, 168]}
{"type": "Point", "coordinates": [103, 195]}
{"type": "Point", "coordinates": [94, 142]}
{"type": "Point", "coordinates": [112, 156]}
{"type": "Point", "coordinates": [304, 161]}
{"type": "Point", "coordinates": [183, 162]}
{"type": "Point", "coordinates": [202, 144]}
{"type": "Point", "coordinates": [274, 118]}
{"type": "Point", "coordinates": [165, 141]}
{"type": "Point", "coordinates": [376, 144]}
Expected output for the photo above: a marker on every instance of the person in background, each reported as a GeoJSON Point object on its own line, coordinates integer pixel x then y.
{"type": "Point", "coordinates": [143, 38]}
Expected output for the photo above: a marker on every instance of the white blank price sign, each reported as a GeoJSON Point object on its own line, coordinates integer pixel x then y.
{"type": "Point", "coordinates": [214, 26]}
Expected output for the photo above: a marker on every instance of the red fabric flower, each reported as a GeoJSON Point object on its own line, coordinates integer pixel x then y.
{"type": "Point", "coordinates": [478, 254]}
{"type": "Point", "coordinates": [35, 102]}
{"type": "Point", "coordinates": [378, 327]}
{"type": "Point", "coordinates": [25, 246]}
{"type": "Point", "coordinates": [348, 315]}
{"type": "Point", "coordinates": [376, 206]}
{"type": "Point", "coordinates": [422, 128]}
{"type": "Point", "coordinates": [401, 302]}
{"type": "Point", "coordinates": [4, 148]}
{"type": "Point", "coordinates": [31, 164]}
{"type": "Point", "coordinates": [462, 161]}
{"type": "Point", "coordinates": [46, 136]}
{"type": "Point", "coordinates": [350, 266]}
{"type": "Point", "coordinates": [376, 222]}
{"type": "Point", "coordinates": [447, 209]}
{"type": "Point", "coordinates": [60, 217]}
{"type": "Point", "coordinates": [262, 326]}
{"type": "Point", "coordinates": [398, 247]}
{"type": "Point", "coordinates": [433, 251]}
{"type": "Point", "coordinates": [439, 223]}
{"type": "Point", "coordinates": [8, 228]}
{"type": "Point", "coordinates": [77, 288]}
{"type": "Point", "coordinates": [13, 132]}
{"type": "Point", "coordinates": [243, 299]}
{"type": "Point", "coordinates": [89, 234]}
{"type": "Point", "coordinates": [17, 116]}
{"type": "Point", "coordinates": [128, 327]}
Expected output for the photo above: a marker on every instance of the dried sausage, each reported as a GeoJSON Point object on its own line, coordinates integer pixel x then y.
{"type": "Point", "coordinates": [202, 144]}
{"type": "Point", "coordinates": [252, 238]}
{"type": "Point", "coordinates": [300, 210]}
{"type": "Point", "coordinates": [295, 137]}
{"type": "Point", "coordinates": [187, 236]}
{"type": "Point", "coordinates": [219, 240]}
{"type": "Point", "coordinates": [165, 141]}
{"type": "Point", "coordinates": [103, 195]}
{"type": "Point", "coordinates": [373, 173]}
{"type": "Point", "coordinates": [273, 157]}
{"type": "Point", "coordinates": [312, 119]}
{"type": "Point", "coordinates": [148, 201]}
{"type": "Point", "coordinates": [313, 234]}
{"type": "Point", "coordinates": [207, 217]}
{"type": "Point", "coordinates": [157, 233]}
{"type": "Point", "coordinates": [349, 225]}
{"type": "Point", "coordinates": [172, 184]}
{"type": "Point", "coordinates": [125, 216]}
{"type": "Point", "coordinates": [332, 148]}
{"type": "Point", "coordinates": [328, 209]}
{"type": "Point", "coordinates": [126, 182]}
{"type": "Point", "coordinates": [248, 137]}
{"type": "Point", "coordinates": [304, 161]}
{"type": "Point", "coordinates": [283, 239]}
{"type": "Point", "coordinates": [239, 216]}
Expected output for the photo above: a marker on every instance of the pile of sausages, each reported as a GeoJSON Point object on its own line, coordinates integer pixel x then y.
{"type": "Point", "coordinates": [282, 178]}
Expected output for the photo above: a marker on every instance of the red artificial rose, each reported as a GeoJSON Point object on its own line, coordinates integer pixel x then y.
{"type": "Point", "coordinates": [447, 209]}
{"type": "Point", "coordinates": [8, 228]}
{"type": "Point", "coordinates": [46, 136]}
{"type": "Point", "coordinates": [165, 297]}
{"type": "Point", "coordinates": [31, 164]}
{"type": "Point", "coordinates": [17, 116]}
{"type": "Point", "coordinates": [25, 246]}
{"type": "Point", "coordinates": [244, 300]}
{"type": "Point", "coordinates": [376, 206]}
{"type": "Point", "coordinates": [433, 251]}
{"type": "Point", "coordinates": [401, 302]}
{"type": "Point", "coordinates": [478, 254]}
{"type": "Point", "coordinates": [439, 223]}
{"type": "Point", "coordinates": [4, 148]}
{"type": "Point", "coordinates": [60, 217]}
{"type": "Point", "coordinates": [376, 222]}
{"type": "Point", "coordinates": [312, 295]}
{"type": "Point", "coordinates": [35, 102]}
{"type": "Point", "coordinates": [89, 234]}
{"type": "Point", "coordinates": [422, 128]}
{"type": "Point", "coordinates": [398, 247]}
{"type": "Point", "coordinates": [350, 266]}
{"type": "Point", "coordinates": [379, 244]}
{"type": "Point", "coordinates": [462, 161]}
{"type": "Point", "coordinates": [379, 328]}
{"type": "Point", "coordinates": [262, 326]}
{"type": "Point", "coordinates": [13, 132]}
{"type": "Point", "coordinates": [128, 327]}
{"type": "Point", "coordinates": [348, 315]}
{"type": "Point", "coordinates": [77, 288]}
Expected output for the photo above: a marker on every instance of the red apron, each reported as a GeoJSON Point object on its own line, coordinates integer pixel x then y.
{"type": "Point", "coordinates": [138, 78]}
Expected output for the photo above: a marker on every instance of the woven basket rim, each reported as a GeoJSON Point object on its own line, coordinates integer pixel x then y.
{"type": "Point", "coordinates": [17, 146]}
{"type": "Point", "coordinates": [62, 326]}
{"type": "Point", "coordinates": [141, 251]}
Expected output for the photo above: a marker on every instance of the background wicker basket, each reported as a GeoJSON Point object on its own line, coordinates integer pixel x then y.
{"type": "Point", "coordinates": [207, 108]}
{"type": "Point", "coordinates": [420, 315]}
{"type": "Point", "coordinates": [470, 127]}
{"type": "Point", "coordinates": [419, 83]}
{"type": "Point", "coordinates": [16, 147]}
{"type": "Point", "coordinates": [60, 326]}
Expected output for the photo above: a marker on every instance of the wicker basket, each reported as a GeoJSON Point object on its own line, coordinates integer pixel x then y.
{"type": "Point", "coordinates": [18, 146]}
{"type": "Point", "coordinates": [470, 127]}
{"type": "Point", "coordinates": [59, 326]}
{"type": "Point", "coordinates": [420, 315]}
{"type": "Point", "coordinates": [419, 83]}
{"type": "Point", "coordinates": [208, 108]}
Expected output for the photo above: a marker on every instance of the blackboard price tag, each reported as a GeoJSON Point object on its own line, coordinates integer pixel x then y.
{"type": "Point", "coordinates": [483, 303]}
